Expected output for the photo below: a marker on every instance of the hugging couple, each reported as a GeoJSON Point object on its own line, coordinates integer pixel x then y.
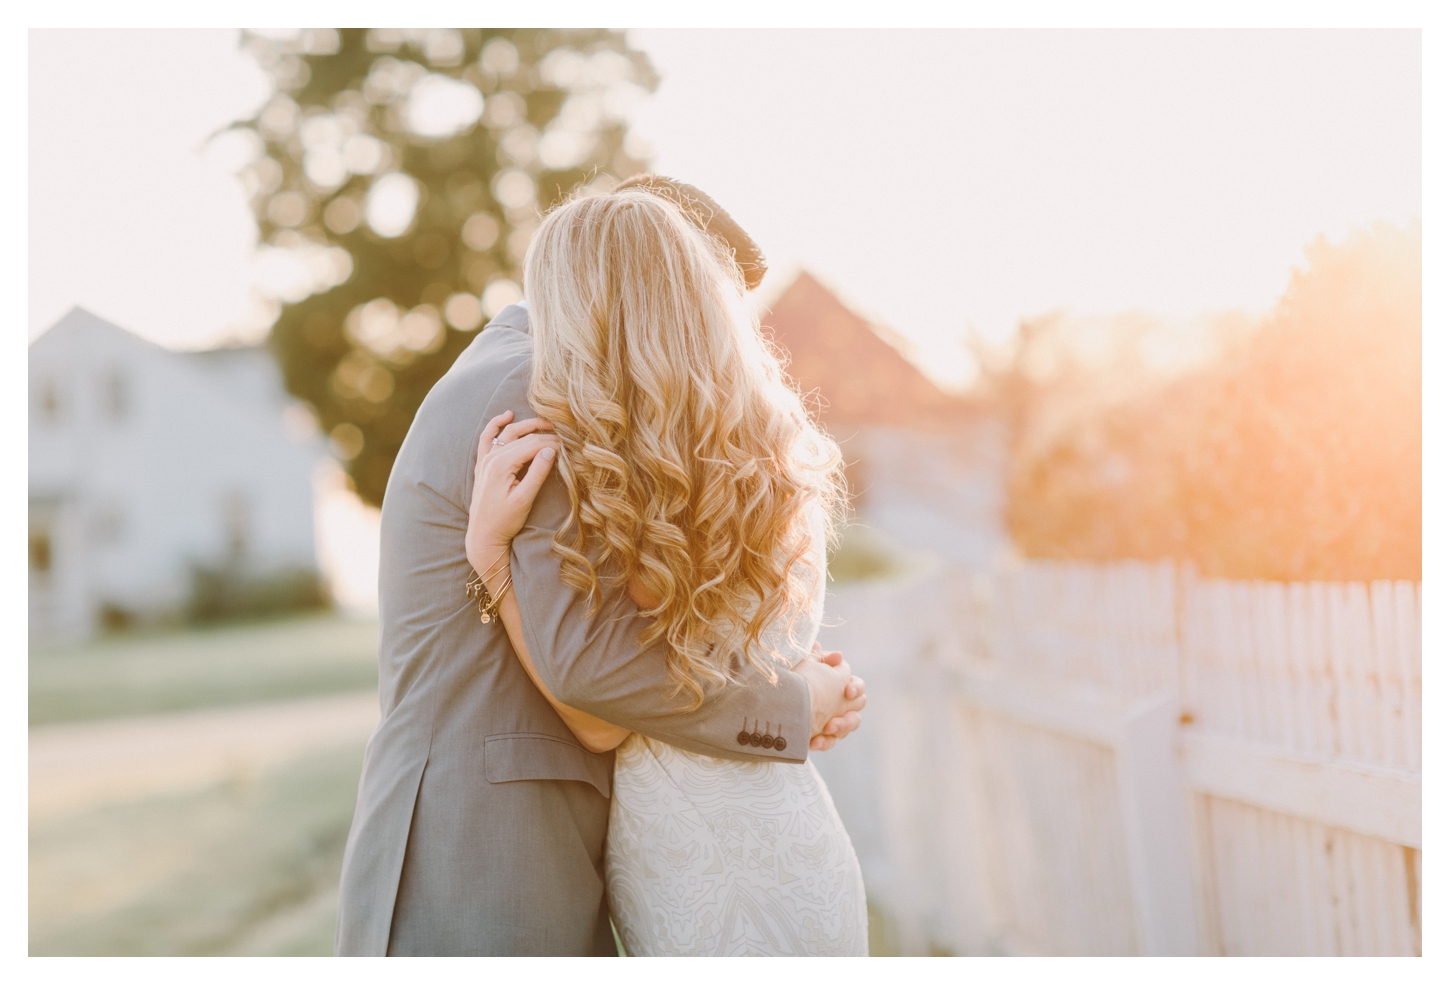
{"type": "Point", "coordinates": [602, 573]}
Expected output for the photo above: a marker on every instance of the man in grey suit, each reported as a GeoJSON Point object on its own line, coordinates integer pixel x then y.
{"type": "Point", "coordinates": [481, 820]}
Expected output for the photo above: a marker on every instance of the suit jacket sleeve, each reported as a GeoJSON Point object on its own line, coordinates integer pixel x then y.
{"type": "Point", "coordinates": [595, 663]}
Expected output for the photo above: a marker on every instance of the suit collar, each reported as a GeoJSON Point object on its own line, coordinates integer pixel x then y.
{"type": "Point", "coordinates": [515, 316]}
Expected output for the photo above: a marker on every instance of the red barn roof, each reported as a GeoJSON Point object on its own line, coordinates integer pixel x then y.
{"type": "Point", "coordinates": [860, 377]}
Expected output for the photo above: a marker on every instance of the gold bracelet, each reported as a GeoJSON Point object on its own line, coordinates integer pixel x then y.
{"type": "Point", "coordinates": [488, 606]}
{"type": "Point", "coordinates": [492, 612]}
{"type": "Point", "coordinates": [502, 560]}
{"type": "Point", "coordinates": [476, 587]}
{"type": "Point", "coordinates": [476, 581]}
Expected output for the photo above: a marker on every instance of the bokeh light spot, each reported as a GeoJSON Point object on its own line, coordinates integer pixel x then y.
{"type": "Point", "coordinates": [364, 154]}
{"type": "Point", "coordinates": [421, 330]}
{"type": "Point", "coordinates": [499, 295]}
{"type": "Point", "coordinates": [500, 57]}
{"type": "Point", "coordinates": [513, 189]}
{"type": "Point", "coordinates": [441, 107]}
{"type": "Point", "coordinates": [480, 231]}
{"type": "Point", "coordinates": [519, 240]}
{"type": "Point", "coordinates": [520, 145]}
{"type": "Point", "coordinates": [561, 148]}
{"type": "Point", "coordinates": [392, 201]}
{"type": "Point", "coordinates": [342, 215]}
{"type": "Point", "coordinates": [504, 109]}
{"type": "Point", "coordinates": [374, 325]}
{"type": "Point", "coordinates": [324, 167]}
{"type": "Point", "coordinates": [278, 118]}
{"type": "Point", "coordinates": [443, 46]}
{"type": "Point", "coordinates": [463, 312]}
{"type": "Point", "coordinates": [288, 209]}
{"type": "Point", "coordinates": [347, 440]}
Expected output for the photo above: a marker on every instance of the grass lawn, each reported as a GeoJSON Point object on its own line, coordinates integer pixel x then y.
{"type": "Point", "coordinates": [134, 674]}
{"type": "Point", "coordinates": [249, 866]}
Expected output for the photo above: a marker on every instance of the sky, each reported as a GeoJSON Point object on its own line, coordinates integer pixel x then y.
{"type": "Point", "coordinates": [949, 180]}
{"type": "Point", "coordinates": [941, 181]}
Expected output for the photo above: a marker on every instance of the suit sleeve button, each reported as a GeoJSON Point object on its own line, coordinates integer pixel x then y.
{"type": "Point", "coordinates": [780, 743]}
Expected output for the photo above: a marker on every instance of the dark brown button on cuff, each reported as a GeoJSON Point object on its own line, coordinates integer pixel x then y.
{"type": "Point", "coordinates": [780, 743]}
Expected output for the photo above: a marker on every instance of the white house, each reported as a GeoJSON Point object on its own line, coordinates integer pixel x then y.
{"type": "Point", "coordinates": [146, 462]}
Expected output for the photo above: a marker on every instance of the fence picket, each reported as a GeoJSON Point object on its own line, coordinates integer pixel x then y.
{"type": "Point", "coordinates": [1167, 659]}
{"type": "Point", "coordinates": [1316, 841]}
{"type": "Point", "coordinates": [1297, 606]}
{"type": "Point", "coordinates": [1346, 684]}
{"type": "Point", "coordinates": [1189, 660]}
{"type": "Point", "coordinates": [1407, 638]}
{"type": "Point", "coordinates": [1323, 664]}
{"type": "Point", "coordinates": [1346, 937]}
{"type": "Point", "coordinates": [1240, 619]}
{"type": "Point", "coordinates": [1119, 623]}
{"type": "Point", "coordinates": [1264, 884]}
{"type": "Point", "coordinates": [1387, 663]}
{"type": "Point", "coordinates": [1273, 673]}
{"type": "Point", "coordinates": [1231, 861]}
{"type": "Point", "coordinates": [1235, 720]}
{"type": "Point", "coordinates": [1361, 653]}
{"type": "Point", "coordinates": [1301, 871]}
{"type": "Point", "coordinates": [1386, 902]}
{"type": "Point", "coordinates": [1363, 896]}
{"type": "Point", "coordinates": [1274, 657]}
{"type": "Point", "coordinates": [1345, 689]}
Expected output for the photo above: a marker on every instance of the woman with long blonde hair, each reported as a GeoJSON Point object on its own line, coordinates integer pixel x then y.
{"type": "Point", "coordinates": [698, 483]}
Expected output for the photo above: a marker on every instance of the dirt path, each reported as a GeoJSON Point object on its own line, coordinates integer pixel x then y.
{"type": "Point", "coordinates": [76, 766]}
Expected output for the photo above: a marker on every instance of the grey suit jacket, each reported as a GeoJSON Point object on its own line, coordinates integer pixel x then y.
{"type": "Point", "coordinates": [480, 819]}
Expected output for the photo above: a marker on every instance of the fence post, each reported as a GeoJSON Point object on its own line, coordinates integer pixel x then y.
{"type": "Point", "coordinates": [1155, 819]}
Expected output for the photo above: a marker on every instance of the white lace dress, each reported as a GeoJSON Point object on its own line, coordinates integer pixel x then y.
{"type": "Point", "coordinates": [710, 856]}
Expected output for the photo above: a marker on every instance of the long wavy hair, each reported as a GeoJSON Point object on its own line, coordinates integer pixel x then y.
{"type": "Point", "coordinates": [688, 457]}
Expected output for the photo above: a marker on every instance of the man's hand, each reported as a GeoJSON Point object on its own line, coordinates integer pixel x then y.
{"type": "Point", "coordinates": [836, 697]}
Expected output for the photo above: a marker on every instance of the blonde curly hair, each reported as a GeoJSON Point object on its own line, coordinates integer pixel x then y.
{"type": "Point", "coordinates": [689, 460]}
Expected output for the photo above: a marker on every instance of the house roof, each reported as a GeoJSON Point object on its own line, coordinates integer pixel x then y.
{"type": "Point", "coordinates": [79, 321]}
{"type": "Point", "coordinates": [245, 376]}
{"type": "Point", "coordinates": [861, 378]}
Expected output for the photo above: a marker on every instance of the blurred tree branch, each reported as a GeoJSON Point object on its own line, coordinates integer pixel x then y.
{"type": "Point", "coordinates": [396, 177]}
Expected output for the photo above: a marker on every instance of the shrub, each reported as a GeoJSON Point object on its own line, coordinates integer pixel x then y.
{"type": "Point", "coordinates": [1292, 455]}
{"type": "Point", "coordinates": [228, 592]}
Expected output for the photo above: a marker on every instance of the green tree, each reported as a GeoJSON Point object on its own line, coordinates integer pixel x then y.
{"type": "Point", "coordinates": [405, 171]}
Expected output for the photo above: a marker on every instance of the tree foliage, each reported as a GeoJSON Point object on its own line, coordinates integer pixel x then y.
{"type": "Point", "coordinates": [404, 172]}
{"type": "Point", "coordinates": [1294, 455]}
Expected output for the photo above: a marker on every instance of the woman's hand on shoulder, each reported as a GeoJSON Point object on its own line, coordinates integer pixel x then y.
{"type": "Point", "coordinates": [501, 496]}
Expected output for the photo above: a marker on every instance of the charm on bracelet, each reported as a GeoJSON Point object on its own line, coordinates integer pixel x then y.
{"type": "Point", "coordinates": [488, 602]}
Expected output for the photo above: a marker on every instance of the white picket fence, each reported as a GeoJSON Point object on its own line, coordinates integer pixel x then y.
{"type": "Point", "coordinates": [1125, 759]}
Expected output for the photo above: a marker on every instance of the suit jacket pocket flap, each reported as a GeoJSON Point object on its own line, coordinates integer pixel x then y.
{"type": "Point", "coordinates": [535, 756]}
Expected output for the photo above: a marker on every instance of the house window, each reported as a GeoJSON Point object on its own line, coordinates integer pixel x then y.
{"type": "Point", "coordinates": [49, 401]}
{"type": "Point", "coordinates": [40, 552]}
{"type": "Point", "coordinates": [42, 545]}
{"type": "Point", "coordinates": [116, 395]}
